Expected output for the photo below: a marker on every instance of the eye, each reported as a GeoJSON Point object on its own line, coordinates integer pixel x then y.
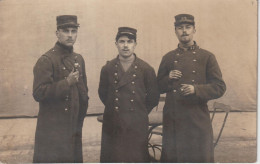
{"type": "Point", "coordinates": [131, 41]}
{"type": "Point", "coordinates": [179, 27]}
{"type": "Point", "coordinates": [65, 30]}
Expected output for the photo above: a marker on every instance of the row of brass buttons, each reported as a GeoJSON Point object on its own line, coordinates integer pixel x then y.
{"type": "Point", "coordinates": [116, 81]}
{"type": "Point", "coordinates": [194, 60]}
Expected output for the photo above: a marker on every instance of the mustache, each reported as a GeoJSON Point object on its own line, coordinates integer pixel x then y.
{"type": "Point", "coordinates": [185, 35]}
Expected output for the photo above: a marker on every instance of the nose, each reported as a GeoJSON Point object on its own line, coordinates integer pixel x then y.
{"type": "Point", "coordinates": [125, 44]}
{"type": "Point", "coordinates": [70, 34]}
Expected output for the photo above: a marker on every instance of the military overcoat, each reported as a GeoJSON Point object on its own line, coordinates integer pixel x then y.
{"type": "Point", "coordinates": [128, 98]}
{"type": "Point", "coordinates": [187, 129]}
{"type": "Point", "coordinates": [62, 107]}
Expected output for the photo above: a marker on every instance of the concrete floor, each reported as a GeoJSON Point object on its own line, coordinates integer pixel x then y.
{"type": "Point", "coordinates": [237, 144]}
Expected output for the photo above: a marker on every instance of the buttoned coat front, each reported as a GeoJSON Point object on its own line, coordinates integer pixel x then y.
{"type": "Point", "coordinates": [128, 98]}
{"type": "Point", "coordinates": [187, 129]}
{"type": "Point", "coordinates": [62, 107]}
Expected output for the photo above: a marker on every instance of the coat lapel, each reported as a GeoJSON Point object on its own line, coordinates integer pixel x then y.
{"type": "Point", "coordinates": [128, 76]}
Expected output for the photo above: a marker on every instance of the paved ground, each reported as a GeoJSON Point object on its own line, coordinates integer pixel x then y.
{"type": "Point", "coordinates": [237, 144]}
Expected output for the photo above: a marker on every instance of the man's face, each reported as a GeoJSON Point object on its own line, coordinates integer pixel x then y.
{"type": "Point", "coordinates": [67, 36]}
{"type": "Point", "coordinates": [125, 46]}
{"type": "Point", "coordinates": [185, 33]}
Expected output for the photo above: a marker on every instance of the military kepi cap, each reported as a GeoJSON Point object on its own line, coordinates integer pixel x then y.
{"type": "Point", "coordinates": [128, 31]}
{"type": "Point", "coordinates": [184, 18]}
{"type": "Point", "coordinates": [67, 21]}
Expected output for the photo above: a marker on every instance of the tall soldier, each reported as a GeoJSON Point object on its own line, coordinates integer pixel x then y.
{"type": "Point", "coordinates": [128, 89]}
{"type": "Point", "coordinates": [60, 87]}
{"type": "Point", "coordinates": [190, 76]}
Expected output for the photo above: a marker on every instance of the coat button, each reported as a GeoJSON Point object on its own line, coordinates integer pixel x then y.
{"type": "Point", "coordinates": [174, 90]}
{"type": "Point", "coordinates": [132, 100]}
{"type": "Point", "coordinates": [175, 61]}
{"type": "Point", "coordinates": [177, 54]}
{"type": "Point", "coordinates": [133, 82]}
{"type": "Point", "coordinates": [66, 109]}
{"type": "Point", "coordinates": [193, 71]}
{"type": "Point", "coordinates": [116, 90]}
{"type": "Point", "coordinates": [194, 52]}
{"type": "Point", "coordinates": [116, 109]}
{"type": "Point", "coordinates": [135, 66]}
{"type": "Point", "coordinates": [193, 81]}
{"type": "Point", "coordinates": [115, 81]}
{"type": "Point", "coordinates": [116, 65]}
{"type": "Point", "coordinates": [116, 99]}
{"type": "Point", "coordinates": [131, 109]}
{"type": "Point", "coordinates": [63, 68]}
{"type": "Point", "coordinates": [194, 60]}
{"type": "Point", "coordinates": [133, 92]}
{"type": "Point", "coordinates": [134, 75]}
{"type": "Point", "coordinates": [65, 77]}
{"type": "Point", "coordinates": [115, 74]}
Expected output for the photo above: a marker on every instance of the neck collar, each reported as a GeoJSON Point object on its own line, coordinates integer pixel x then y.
{"type": "Point", "coordinates": [127, 59]}
{"type": "Point", "coordinates": [66, 48]}
{"type": "Point", "coordinates": [192, 47]}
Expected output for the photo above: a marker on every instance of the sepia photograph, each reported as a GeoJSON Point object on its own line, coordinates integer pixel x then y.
{"type": "Point", "coordinates": [120, 81]}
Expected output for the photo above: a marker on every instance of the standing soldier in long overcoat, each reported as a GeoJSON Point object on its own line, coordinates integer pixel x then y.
{"type": "Point", "coordinates": [129, 91]}
{"type": "Point", "coordinates": [60, 87]}
{"type": "Point", "coordinates": [190, 77]}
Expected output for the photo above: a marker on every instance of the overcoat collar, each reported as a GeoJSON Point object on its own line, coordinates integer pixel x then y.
{"type": "Point", "coordinates": [124, 78]}
{"type": "Point", "coordinates": [193, 47]}
{"type": "Point", "coordinates": [68, 58]}
{"type": "Point", "coordinates": [64, 50]}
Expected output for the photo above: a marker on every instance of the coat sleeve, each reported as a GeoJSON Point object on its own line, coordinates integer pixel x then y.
{"type": "Point", "coordinates": [215, 87]}
{"type": "Point", "coordinates": [164, 82]}
{"type": "Point", "coordinates": [84, 98]}
{"type": "Point", "coordinates": [84, 77]}
{"type": "Point", "coordinates": [103, 85]}
{"type": "Point", "coordinates": [44, 87]}
{"type": "Point", "coordinates": [152, 92]}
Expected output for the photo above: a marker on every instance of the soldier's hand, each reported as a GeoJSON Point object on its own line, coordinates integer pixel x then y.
{"type": "Point", "coordinates": [73, 77]}
{"type": "Point", "coordinates": [187, 89]}
{"type": "Point", "coordinates": [175, 74]}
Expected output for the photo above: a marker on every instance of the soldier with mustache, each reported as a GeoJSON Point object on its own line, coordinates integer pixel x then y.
{"type": "Point", "coordinates": [128, 89]}
{"type": "Point", "coordinates": [60, 87]}
{"type": "Point", "coordinates": [190, 76]}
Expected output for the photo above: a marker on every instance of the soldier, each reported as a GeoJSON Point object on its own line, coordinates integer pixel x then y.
{"type": "Point", "coordinates": [190, 77]}
{"type": "Point", "coordinates": [128, 89]}
{"type": "Point", "coordinates": [60, 87]}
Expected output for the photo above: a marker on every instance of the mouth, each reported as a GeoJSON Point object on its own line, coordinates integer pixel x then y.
{"type": "Point", "coordinates": [125, 50]}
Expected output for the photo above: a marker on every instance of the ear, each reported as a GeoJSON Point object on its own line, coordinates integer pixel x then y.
{"type": "Point", "coordinates": [57, 33]}
{"type": "Point", "coordinates": [116, 43]}
{"type": "Point", "coordinates": [194, 30]}
{"type": "Point", "coordinates": [175, 30]}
